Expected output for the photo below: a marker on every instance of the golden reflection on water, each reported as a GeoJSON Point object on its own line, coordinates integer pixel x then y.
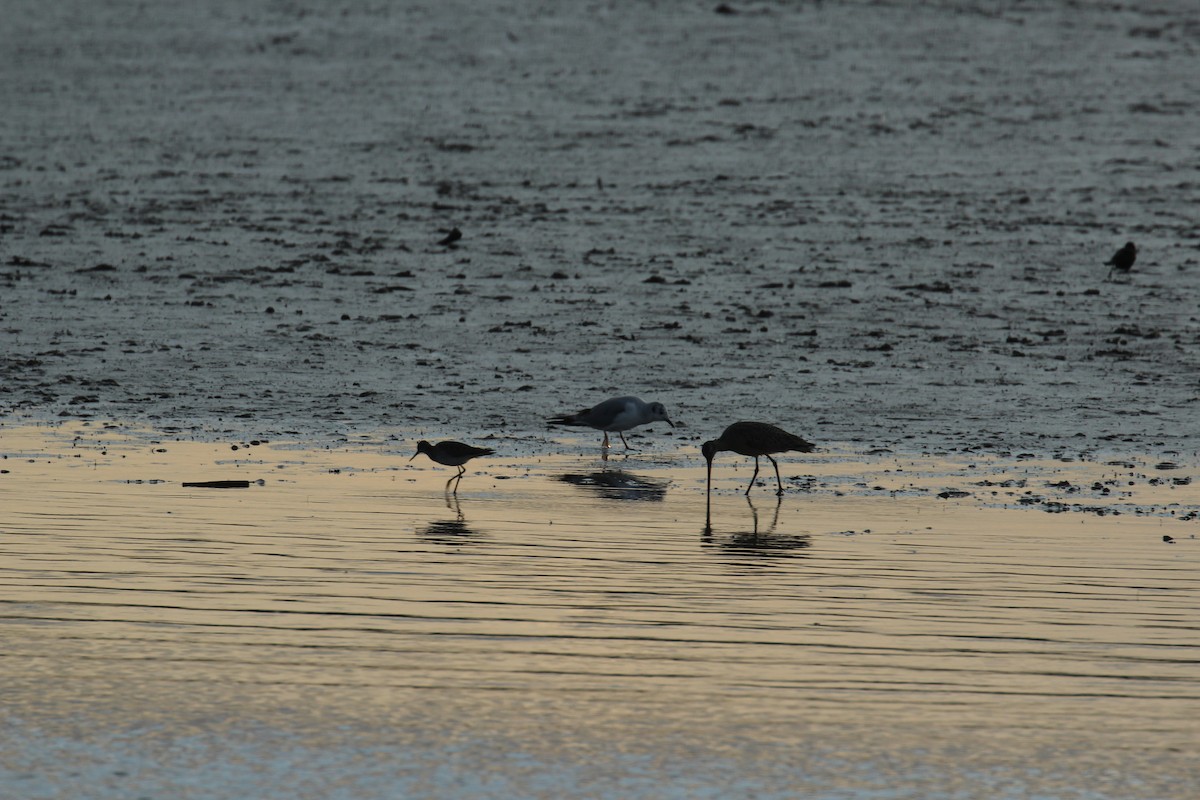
{"type": "Point", "coordinates": [551, 593]}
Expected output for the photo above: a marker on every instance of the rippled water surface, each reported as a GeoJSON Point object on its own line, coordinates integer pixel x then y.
{"type": "Point", "coordinates": [572, 627]}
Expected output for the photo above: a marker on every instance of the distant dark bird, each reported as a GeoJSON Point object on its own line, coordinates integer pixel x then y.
{"type": "Point", "coordinates": [754, 439]}
{"type": "Point", "coordinates": [451, 454]}
{"type": "Point", "coordinates": [1122, 260]}
{"type": "Point", "coordinates": [615, 415]}
{"type": "Point", "coordinates": [451, 238]}
{"type": "Point", "coordinates": [1168, 539]}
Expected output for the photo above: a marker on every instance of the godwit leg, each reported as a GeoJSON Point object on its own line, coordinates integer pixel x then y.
{"type": "Point", "coordinates": [708, 501]}
{"type": "Point", "coordinates": [777, 480]}
{"type": "Point", "coordinates": [752, 477]}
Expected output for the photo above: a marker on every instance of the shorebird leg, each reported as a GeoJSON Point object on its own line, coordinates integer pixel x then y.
{"type": "Point", "coordinates": [461, 471]}
{"type": "Point", "coordinates": [753, 477]}
{"type": "Point", "coordinates": [708, 500]}
{"type": "Point", "coordinates": [777, 479]}
{"type": "Point", "coordinates": [605, 445]}
{"type": "Point", "coordinates": [622, 435]}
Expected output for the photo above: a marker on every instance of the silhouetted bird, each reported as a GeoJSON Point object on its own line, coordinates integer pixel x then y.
{"type": "Point", "coordinates": [1122, 260]}
{"type": "Point", "coordinates": [451, 454]}
{"type": "Point", "coordinates": [615, 415]}
{"type": "Point", "coordinates": [754, 439]}
{"type": "Point", "coordinates": [451, 238]}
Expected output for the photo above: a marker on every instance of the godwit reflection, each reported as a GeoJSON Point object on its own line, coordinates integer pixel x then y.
{"type": "Point", "coordinates": [619, 485]}
{"type": "Point", "coordinates": [760, 540]}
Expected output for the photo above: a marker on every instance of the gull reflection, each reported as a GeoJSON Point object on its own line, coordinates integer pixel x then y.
{"type": "Point", "coordinates": [619, 485]}
{"type": "Point", "coordinates": [449, 531]}
{"type": "Point", "coordinates": [761, 540]}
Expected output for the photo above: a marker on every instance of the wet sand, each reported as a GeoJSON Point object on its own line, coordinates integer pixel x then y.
{"type": "Point", "coordinates": [881, 227]}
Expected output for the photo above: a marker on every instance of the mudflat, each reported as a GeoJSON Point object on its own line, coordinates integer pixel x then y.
{"type": "Point", "coordinates": [866, 222]}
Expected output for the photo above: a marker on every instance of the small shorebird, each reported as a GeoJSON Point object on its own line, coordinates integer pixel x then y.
{"type": "Point", "coordinates": [1122, 260]}
{"type": "Point", "coordinates": [615, 415]}
{"type": "Point", "coordinates": [451, 454]}
{"type": "Point", "coordinates": [754, 439]}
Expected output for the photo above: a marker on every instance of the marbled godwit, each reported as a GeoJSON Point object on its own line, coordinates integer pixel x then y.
{"type": "Point", "coordinates": [616, 415]}
{"type": "Point", "coordinates": [1122, 260]}
{"type": "Point", "coordinates": [754, 439]}
{"type": "Point", "coordinates": [451, 454]}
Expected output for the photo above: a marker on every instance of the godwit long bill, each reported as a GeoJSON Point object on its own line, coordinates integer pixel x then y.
{"type": "Point", "coordinates": [754, 439]}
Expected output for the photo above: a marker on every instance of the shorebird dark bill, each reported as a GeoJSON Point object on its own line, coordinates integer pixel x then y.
{"type": "Point", "coordinates": [451, 454]}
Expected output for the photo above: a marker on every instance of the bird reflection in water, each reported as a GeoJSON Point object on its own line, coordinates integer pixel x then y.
{"type": "Point", "coordinates": [618, 485]}
{"type": "Point", "coordinates": [449, 531]}
{"type": "Point", "coordinates": [765, 542]}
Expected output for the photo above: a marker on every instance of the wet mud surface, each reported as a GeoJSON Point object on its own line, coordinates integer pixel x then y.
{"type": "Point", "coordinates": [872, 224]}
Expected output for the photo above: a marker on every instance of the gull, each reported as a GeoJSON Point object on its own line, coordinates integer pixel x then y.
{"type": "Point", "coordinates": [615, 415]}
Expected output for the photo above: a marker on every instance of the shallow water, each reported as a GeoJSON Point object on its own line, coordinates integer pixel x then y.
{"type": "Point", "coordinates": [345, 629]}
